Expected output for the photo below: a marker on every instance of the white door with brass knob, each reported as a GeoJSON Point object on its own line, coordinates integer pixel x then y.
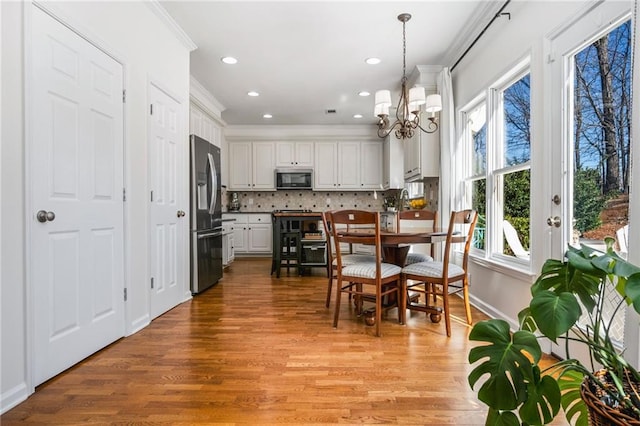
{"type": "Point", "coordinates": [76, 197]}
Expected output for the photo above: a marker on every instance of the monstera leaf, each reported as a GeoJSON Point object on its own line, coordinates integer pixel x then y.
{"type": "Point", "coordinates": [543, 400]}
{"type": "Point", "coordinates": [574, 408]}
{"type": "Point", "coordinates": [554, 313]}
{"type": "Point", "coordinates": [505, 361]}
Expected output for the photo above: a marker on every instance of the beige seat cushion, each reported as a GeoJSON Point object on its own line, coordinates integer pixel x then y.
{"type": "Point", "coordinates": [368, 270]}
{"type": "Point", "coordinates": [417, 258]}
{"type": "Point", "coordinates": [432, 269]}
{"type": "Point", "coordinates": [350, 259]}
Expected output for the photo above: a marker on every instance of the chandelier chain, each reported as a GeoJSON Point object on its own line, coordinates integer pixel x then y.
{"type": "Point", "coordinates": [404, 50]}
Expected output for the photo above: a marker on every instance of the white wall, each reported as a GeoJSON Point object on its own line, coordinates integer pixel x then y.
{"type": "Point", "coordinates": [149, 51]}
{"type": "Point", "coordinates": [501, 47]}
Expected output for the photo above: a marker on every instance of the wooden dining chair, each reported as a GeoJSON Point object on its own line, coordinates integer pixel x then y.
{"type": "Point", "coordinates": [420, 221]}
{"type": "Point", "coordinates": [370, 280]}
{"type": "Point", "coordinates": [443, 278]}
{"type": "Point", "coordinates": [348, 257]}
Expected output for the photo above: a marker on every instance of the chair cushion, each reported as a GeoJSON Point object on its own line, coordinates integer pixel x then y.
{"type": "Point", "coordinates": [350, 259]}
{"type": "Point", "coordinates": [368, 270]}
{"type": "Point", "coordinates": [432, 269]}
{"type": "Point", "coordinates": [418, 257]}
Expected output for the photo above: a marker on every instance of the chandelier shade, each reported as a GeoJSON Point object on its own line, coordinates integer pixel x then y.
{"type": "Point", "coordinates": [411, 100]}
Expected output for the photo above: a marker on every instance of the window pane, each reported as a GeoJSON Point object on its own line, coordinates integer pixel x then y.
{"type": "Point", "coordinates": [516, 212]}
{"type": "Point", "coordinates": [478, 203]}
{"type": "Point", "coordinates": [478, 128]}
{"type": "Point", "coordinates": [517, 122]}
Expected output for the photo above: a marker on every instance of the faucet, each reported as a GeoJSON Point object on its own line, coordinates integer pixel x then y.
{"type": "Point", "coordinates": [403, 199]}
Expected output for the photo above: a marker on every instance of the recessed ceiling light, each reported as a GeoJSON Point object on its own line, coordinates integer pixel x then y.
{"type": "Point", "coordinates": [357, 115]}
{"type": "Point", "coordinates": [364, 93]}
{"type": "Point", "coordinates": [229, 60]}
{"type": "Point", "coordinates": [267, 116]}
{"type": "Point", "coordinates": [372, 61]}
{"type": "Point", "coordinates": [253, 93]}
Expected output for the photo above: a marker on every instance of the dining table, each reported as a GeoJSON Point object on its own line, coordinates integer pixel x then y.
{"type": "Point", "coordinates": [396, 245]}
{"type": "Point", "coordinates": [395, 248]}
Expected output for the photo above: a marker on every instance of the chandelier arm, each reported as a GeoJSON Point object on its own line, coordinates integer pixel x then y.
{"type": "Point", "coordinates": [432, 126]}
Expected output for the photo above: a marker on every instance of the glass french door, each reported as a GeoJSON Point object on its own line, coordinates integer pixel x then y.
{"type": "Point", "coordinates": [590, 72]}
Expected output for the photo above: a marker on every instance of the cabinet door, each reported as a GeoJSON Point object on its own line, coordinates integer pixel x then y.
{"type": "Point", "coordinates": [393, 163]}
{"type": "Point", "coordinates": [285, 154]}
{"type": "Point", "coordinates": [264, 161]}
{"type": "Point", "coordinates": [260, 238]}
{"type": "Point", "coordinates": [371, 165]}
{"type": "Point", "coordinates": [348, 165]}
{"type": "Point", "coordinates": [241, 237]}
{"type": "Point", "coordinates": [430, 154]}
{"type": "Point", "coordinates": [325, 170]}
{"type": "Point", "coordinates": [231, 254]}
{"type": "Point", "coordinates": [412, 157]}
{"type": "Point", "coordinates": [207, 128]}
{"type": "Point", "coordinates": [195, 121]}
{"type": "Point", "coordinates": [240, 166]}
{"type": "Point", "coordinates": [304, 154]}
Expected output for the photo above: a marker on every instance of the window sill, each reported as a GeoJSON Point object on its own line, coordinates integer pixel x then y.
{"type": "Point", "coordinates": [507, 266]}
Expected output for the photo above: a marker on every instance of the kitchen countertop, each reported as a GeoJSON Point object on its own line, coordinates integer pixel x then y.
{"type": "Point", "coordinates": [298, 214]}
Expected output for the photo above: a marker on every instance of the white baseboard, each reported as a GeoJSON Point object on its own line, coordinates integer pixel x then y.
{"type": "Point", "coordinates": [13, 397]}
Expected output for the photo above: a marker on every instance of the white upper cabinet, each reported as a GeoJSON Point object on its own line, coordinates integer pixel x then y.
{"type": "Point", "coordinates": [325, 171]}
{"type": "Point", "coordinates": [348, 165]}
{"type": "Point", "coordinates": [294, 154]}
{"type": "Point", "coordinates": [393, 163]}
{"type": "Point", "coordinates": [422, 156]}
{"type": "Point", "coordinates": [202, 124]}
{"type": "Point", "coordinates": [263, 166]}
{"type": "Point", "coordinates": [251, 166]}
{"type": "Point", "coordinates": [371, 165]}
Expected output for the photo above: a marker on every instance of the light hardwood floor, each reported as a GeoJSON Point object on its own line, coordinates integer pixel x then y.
{"type": "Point", "coordinates": [259, 350]}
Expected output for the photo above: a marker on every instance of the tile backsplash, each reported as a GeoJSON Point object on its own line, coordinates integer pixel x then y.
{"type": "Point", "coordinates": [267, 201]}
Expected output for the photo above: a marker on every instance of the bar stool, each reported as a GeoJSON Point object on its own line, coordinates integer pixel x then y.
{"type": "Point", "coordinates": [289, 251]}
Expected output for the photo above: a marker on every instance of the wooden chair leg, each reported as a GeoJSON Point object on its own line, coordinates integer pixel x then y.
{"type": "Point", "coordinates": [378, 309]}
{"type": "Point", "coordinates": [445, 303]}
{"type": "Point", "coordinates": [336, 315]}
{"type": "Point", "coordinates": [467, 306]}
{"type": "Point", "coordinates": [329, 288]}
{"type": "Point", "coordinates": [402, 300]}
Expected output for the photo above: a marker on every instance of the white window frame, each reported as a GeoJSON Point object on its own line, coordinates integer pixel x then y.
{"type": "Point", "coordinates": [495, 168]}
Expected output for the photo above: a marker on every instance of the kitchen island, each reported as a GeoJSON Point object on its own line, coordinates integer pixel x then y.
{"type": "Point", "coordinates": [298, 241]}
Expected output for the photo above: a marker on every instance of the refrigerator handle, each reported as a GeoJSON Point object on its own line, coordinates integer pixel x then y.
{"type": "Point", "coordinates": [214, 184]}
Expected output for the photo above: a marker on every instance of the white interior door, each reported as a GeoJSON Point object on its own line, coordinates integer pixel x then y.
{"type": "Point", "coordinates": [168, 222]}
{"type": "Point", "coordinates": [76, 187]}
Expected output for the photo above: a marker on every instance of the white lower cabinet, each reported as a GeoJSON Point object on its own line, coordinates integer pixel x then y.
{"type": "Point", "coordinates": [228, 252]}
{"type": "Point", "coordinates": [252, 233]}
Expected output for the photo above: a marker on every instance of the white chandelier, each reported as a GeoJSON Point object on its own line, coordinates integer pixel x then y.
{"type": "Point", "coordinates": [408, 110]}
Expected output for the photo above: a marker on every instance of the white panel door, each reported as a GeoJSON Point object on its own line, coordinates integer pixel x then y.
{"type": "Point", "coordinates": [76, 163]}
{"type": "Point", "coordinates": [168, 225]}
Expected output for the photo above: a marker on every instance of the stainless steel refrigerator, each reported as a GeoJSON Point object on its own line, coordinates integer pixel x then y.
{"type": "Point", "coordinates": [206, 215]}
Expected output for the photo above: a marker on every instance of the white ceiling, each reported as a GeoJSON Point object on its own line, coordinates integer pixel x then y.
{"type": "Point", "coordinates": [306, 57]}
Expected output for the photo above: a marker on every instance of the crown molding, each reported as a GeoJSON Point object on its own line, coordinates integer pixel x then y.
{"type": "Point", "coordinates": [171, 24]}
{"type": "Point", "coordinates": [204, 100]}
{"type": "Point", "coordinates": [425, 76]}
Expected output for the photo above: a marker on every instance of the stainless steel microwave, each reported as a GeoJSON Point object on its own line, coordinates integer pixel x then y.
{"type": "Point", "coordinates": [294, 178]}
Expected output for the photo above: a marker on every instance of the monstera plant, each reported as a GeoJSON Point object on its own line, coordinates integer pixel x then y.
{"type": "Point", "coordinates": [520, 385]}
